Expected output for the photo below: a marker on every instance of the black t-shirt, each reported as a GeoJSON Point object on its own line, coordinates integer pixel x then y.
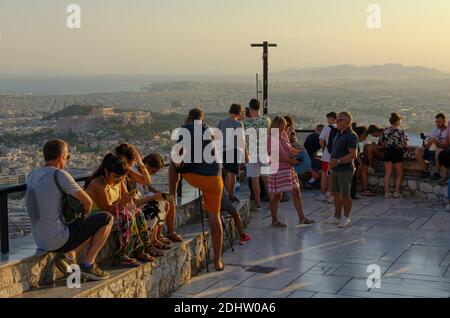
{"type": "Point", "coordinates": [312, 144]}
{"type": "Point", "coordinates": [201, 168]}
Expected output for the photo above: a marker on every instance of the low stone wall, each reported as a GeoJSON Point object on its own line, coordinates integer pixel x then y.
{"type": "Point", "coordinates": [22, 275]}
{"type": "Point", "coordinates": [168, 274]}
{"type": "Point", "coordinates": [158, 279]}
{"type": "Point", "coordinates": [413, 187]}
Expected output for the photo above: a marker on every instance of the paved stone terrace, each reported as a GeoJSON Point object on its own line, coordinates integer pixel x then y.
{"type": "Point", "coordinates": [409, 239]}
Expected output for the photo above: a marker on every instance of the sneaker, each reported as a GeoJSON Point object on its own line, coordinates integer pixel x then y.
{"type": "Point", "coordinates": [93, 272]}
{"type": "Point", "coordinates": [63, 262]}
{"type": "Point", "coordinates": [345, 223]}
{"type": "Point", "coordinates": [306, 221]}
{"type": "Point", "coordinates": [448, 208]}
{"type": "Point", "coordinates": [244, 239]}
{"type": "Point", "coordinates": [333, 221]}
{"type": "Point", "coordinates": [397, 195]}
{"type": "Point", "coordinates": [436, 176]}
{"type": "Point", "coordinates": [388, 195]}
{"type": "Point", "coordinates": [425, 174]}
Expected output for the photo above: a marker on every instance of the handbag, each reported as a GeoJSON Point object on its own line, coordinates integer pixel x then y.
{"type": "Point", "coordinates": [72, 209]}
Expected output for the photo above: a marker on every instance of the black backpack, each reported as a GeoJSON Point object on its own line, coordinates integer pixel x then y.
{"type": "Point", "coordinates": [331, 137]}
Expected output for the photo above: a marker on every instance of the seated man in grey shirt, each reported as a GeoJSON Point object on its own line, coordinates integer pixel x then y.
{"type": "Point", "coordinates": [44, 205]}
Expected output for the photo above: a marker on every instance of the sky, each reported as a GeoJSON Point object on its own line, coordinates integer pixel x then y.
{"type": "Point", "coordinates": [181, 37]}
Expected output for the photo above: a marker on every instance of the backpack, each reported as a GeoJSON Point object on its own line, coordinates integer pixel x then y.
{"type": "Point", "coordinates": [333, 133]}
{"type": "Point", "coordinates": [72, 209]}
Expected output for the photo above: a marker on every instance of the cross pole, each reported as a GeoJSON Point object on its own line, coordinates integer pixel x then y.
{"type": "Point", "coordinates": [265, 45]}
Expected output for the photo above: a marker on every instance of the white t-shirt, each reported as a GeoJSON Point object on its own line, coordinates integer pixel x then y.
{"type": "Point", "coordinates": [326, 156]}
{"type": "Point", "coordinates": [439, 135]}
{"type": "Point", "coordinates": [44, 203]}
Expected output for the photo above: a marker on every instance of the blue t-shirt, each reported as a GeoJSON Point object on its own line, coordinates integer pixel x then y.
{"type": "Point", "coordinates": [342, 142]}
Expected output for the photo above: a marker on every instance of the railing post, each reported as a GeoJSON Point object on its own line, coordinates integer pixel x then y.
{"type": "Point", "coordinates": [4, 232]}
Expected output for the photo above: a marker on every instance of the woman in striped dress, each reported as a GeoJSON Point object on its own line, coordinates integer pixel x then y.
{"type": "Point", "coordinates": [282, 177]}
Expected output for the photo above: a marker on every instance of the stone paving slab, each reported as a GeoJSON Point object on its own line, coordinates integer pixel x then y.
{"type": "Point", "coordinates": [409, 239]}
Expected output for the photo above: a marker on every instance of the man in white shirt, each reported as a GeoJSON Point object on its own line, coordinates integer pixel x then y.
{"type": "Point", "coordinates": [325, 140]}
{"type": "Point", "coordinates": [433, 145]}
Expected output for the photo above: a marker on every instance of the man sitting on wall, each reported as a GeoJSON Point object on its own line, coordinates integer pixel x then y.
{"type": "Point", "coordinates": [432, 146]}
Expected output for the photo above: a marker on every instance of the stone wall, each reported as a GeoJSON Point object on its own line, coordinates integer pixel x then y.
{"type": "Point", "coordinates": [36, 271]}
{"type": "Point", "coordinates": [413, 187]}
{"type": "Point", "coordinates": [153, 280]}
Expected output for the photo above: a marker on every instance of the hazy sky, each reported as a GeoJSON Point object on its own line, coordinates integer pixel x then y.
{"type": "Point", "coordinates": [213, 36]}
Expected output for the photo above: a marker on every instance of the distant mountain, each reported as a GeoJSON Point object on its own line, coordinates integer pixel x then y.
{"type": "Point", "coordinates": [374, 71]}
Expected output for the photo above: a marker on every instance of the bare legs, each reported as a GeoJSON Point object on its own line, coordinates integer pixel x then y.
{"type": "Point", "coordinates": [342, 202]}
{"type": "Point", "coordinates": [96, 242]}
{"type": "Point", "coordinates": [389, 167]}
{"type": "Point", "coordinates": [217, 238]}
{"type": "Point", "coordinates": [230, 183]}
{"type": "Point", "coordinates": [298, 203]}
{"type": "Point", "coordinates": [274, 202]}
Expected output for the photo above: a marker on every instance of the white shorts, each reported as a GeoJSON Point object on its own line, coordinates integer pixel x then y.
{"type": "Point", "coordinates": [255, 170]}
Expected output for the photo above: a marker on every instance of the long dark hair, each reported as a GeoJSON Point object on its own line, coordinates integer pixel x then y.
{"type": "Point", "coordinates": [110, 163]}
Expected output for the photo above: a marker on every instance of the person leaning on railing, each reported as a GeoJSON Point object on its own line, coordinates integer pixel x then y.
{"type": "Point", "coordinates": [44, 205]}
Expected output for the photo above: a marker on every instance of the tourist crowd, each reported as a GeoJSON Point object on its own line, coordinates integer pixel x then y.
{"type": "Point", "coordinates": [119, 198]}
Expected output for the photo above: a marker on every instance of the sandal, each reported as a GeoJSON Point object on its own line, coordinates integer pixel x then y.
{"type": "Point", "coordinates": [279, 224]}
{"type": "Point", "coordinates": [161, 245]}
{"type": "Point", "coordinates": [165, 241]}
{"type": "Point", "coordinates": [144, 257]}
{"type": "Point", "coordinates": [153, 251]}
{"type": "Point", "coordinates": [306, 221]}
{"type": "Point", "coordinates": [127, 262]}
{"type": "Point", "coordinates": [174, 237]}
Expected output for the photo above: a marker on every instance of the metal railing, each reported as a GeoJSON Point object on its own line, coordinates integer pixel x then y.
{"type": "Point", "coordinates": [19, 188]}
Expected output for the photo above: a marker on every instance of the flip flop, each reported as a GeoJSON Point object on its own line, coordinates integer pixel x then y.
{"type": "Point", "coordinates": [165, 241]}
{"type": "Point", "coordinates": [174, 237]}
{"type": "Point", "coordinates": [161, 246]}
{"type": "Point", "coordinates": [153, 251]}
{"type": "Point", "coordinates": [279, 224]}
{"type": "Point", "coordinates": [144, 257]}
{"type": "Point", "coordinates": [127, 262]}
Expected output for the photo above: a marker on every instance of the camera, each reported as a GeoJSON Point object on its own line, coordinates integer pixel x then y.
{"type": "Point", "coordinates": [424, 138]}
